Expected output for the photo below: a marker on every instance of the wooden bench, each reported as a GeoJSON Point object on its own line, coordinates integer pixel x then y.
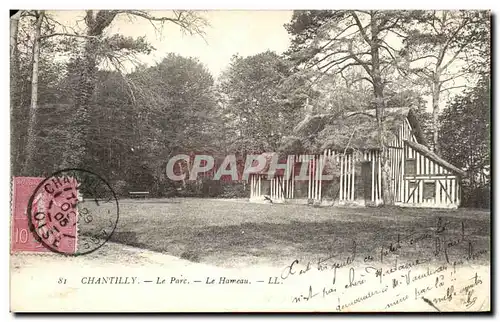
{"type": "Point", "coordinates": [134, 194]}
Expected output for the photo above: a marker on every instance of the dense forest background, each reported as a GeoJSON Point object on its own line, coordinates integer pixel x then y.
{"type": "Point", "coordinates": [74, 104]}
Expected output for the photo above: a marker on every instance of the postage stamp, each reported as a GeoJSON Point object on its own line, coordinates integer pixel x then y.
{"type": "Point", "coordinates": [21, 238]}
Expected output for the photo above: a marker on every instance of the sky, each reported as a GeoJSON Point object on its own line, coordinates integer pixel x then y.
{"type": "Point", "coordinates": [230, 32]}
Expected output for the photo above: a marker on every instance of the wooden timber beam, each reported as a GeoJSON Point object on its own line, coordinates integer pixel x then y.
{"type": "Point", "coordinates": [413, 191]}
{"type": "Point", "coordinates": [445, 191]}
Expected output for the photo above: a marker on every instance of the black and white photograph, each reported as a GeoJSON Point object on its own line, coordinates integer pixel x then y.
{"type": "Point", "coordinates": [323, 160]}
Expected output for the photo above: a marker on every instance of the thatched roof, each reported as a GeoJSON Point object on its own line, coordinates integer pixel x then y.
{"type": "Point", "coordinates": [431, 155]}
{"type": "Point", "coordinates": [351, 130]}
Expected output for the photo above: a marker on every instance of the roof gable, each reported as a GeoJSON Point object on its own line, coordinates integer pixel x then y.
{"type": "Point", "coordinates": [434, 157]}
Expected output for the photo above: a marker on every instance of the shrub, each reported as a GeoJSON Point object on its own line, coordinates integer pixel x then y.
{"type": "Point", "coordinates": [235, 190]}
{"type": "Point", "coordinates": [120, 187]}
{"type": "Point", "coordinates": [478, 197]}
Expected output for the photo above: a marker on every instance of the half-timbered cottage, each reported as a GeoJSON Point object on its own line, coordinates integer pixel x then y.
{"type": "Point", "coordinates": [344, 164]}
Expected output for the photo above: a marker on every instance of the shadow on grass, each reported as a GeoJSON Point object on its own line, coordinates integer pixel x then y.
{"type": "Point", "coordinates": [284, 242]}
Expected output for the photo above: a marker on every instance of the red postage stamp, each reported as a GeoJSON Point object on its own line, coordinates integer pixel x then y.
{"type": "Point", "coordinates": [22, 237]}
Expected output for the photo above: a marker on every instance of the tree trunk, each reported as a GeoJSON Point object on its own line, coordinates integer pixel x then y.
{"type": "Point", "coordinates": [77, 141]}
{"type": "Point", "coordinates": [76, 153]}
{"type": "Point", "coordinates": [32, 125]}
{"type": "Point", "coordinates": [378, 90]}
{"type": "Point", "coordinates": [436, 89]}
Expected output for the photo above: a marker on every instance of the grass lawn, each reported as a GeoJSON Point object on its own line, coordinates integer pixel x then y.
{"type": "Point", "coordinates": [237, 233]}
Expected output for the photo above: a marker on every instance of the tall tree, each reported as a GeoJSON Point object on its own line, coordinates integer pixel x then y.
{"type": "Point", "coordinates": [96, 48]}
{"type": "Point", "coordinates": [177, 113]}
{"type": "Point", "coordinates": [255, 104]}
{"type": "Point", "coordinates": [439, 47]}
{"type": "Point", "coordinates": [30, 146]}
{"type": "Point", "coordinates": [334, 41]}
{"type": "Point", "coordinates": [26, 30]}
{"type": "Point", "coordinates": [466, 133]}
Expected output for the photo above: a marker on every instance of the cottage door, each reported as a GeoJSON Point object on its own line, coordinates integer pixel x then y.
{"type": "Point", "coordinates": [366, 176]}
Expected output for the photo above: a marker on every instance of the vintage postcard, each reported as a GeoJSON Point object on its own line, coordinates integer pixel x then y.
{"type": "Point", "coordinates": [250, 161]}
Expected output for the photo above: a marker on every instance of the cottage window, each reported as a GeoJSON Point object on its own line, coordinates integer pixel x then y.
{"type": "Point", "coordinates": [411, 166]}
{"type": "Point", "coordinates": [412, 184]}
{"type": "Point", "coordinates": [429, 190]}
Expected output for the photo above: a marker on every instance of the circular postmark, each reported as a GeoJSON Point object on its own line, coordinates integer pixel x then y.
{"type": "Point", "coordinates": [73, 212]}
